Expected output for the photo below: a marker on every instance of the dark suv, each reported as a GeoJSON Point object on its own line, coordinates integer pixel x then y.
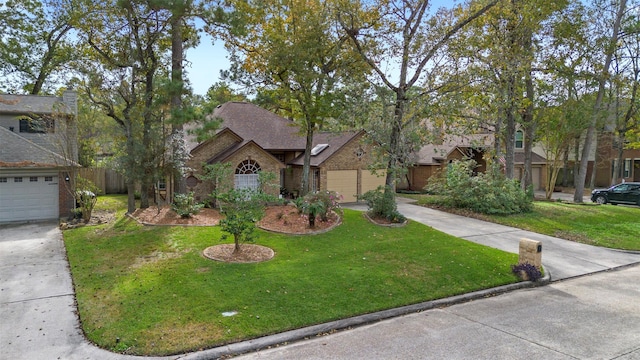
{"type": "Point", "coordinates": [625, 193]}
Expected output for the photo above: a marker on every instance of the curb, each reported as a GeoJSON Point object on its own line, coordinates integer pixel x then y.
{"type": "Point", "coordinates": [305, 333]}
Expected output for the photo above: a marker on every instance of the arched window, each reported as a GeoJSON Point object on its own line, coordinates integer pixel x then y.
{"type": "Point", "coordinates": [246, 176]}
{"type": "Point", "coordinates": [519, 139]}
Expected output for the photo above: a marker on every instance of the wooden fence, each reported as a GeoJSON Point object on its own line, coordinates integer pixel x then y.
{"type": "Point", "coordinates": [107, 180]}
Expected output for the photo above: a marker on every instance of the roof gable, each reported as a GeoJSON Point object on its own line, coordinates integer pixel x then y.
{"type": "Point", "coordinates": [335, 141]}
{"type": "Point", "coordinates": [220, 133]}
{"type": "Point", "coordinates": [432, 154]}
{"type": "Point", "coordinates": [270, 131]}
{"type": "Point", "coordinates": [236, 148]}
{"type": "Point", "coordinates": [17, 151]}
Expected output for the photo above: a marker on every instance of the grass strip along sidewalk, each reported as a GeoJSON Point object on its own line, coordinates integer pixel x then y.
{"type": "Point", "coordinates": [149, 291]}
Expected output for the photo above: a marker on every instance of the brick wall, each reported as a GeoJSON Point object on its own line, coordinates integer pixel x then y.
{"type": "Point", "coordinates": [201, 155]}
{"type": "Point", "coordinates": [267, 162]}
{"type": "Point", "coordinates": [66, 200]}
{"type": "Point", "coordinates": [347, 158]}
{"type": "Point", "coordinates": [211, 149]}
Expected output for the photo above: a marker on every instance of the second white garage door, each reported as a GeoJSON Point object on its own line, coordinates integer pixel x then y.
{"type": "Point", "coordinates": [345, 183]}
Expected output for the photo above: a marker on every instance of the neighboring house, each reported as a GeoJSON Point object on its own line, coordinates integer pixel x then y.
{"type": "Point", "coordinates": [253, 139]}
{"type": "Point", "coordinates": [607, 155]}
{"type": "Point", "coordinates": [38, 156]}
{"type": "Point", "coordinates": [433, 158]}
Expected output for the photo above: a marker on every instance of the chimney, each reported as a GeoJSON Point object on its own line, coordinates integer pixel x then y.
{"type": "Point", "coordinates": [70, 99]}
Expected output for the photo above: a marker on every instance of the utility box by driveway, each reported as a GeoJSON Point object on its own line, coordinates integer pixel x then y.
{"type": "Point", "coordinates": [530, 252]}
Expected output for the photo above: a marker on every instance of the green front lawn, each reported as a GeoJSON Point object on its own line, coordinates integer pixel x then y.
{"type": "Point", "coordinates": [609, 226]}
{"type": "Point", "coordinates": [149, 290]}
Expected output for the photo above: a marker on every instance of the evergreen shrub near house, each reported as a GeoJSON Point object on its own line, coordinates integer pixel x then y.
{"type": "Point", "coordinates": [487, 193]}
{"type": "Point", "coordinates": [382, 204]}
{"type": "Point", "coordinates": [86, 197]}
{"type": "Point", "coordinates": [185, 205]}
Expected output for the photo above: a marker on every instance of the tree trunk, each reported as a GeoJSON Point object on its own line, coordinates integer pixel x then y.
{"type": "Point", "coordinates": [131, 196]}
{"type": "Point", "coordinates": [306, 165]}
{"type": "Point", "coordinates": [591, 131]}
{"type": "Point", "coordinates": [565, 168]}
{"type": "Point", "coordinates": [148, 157]}
{"type": "Point", "coordinates": [177, 86]}
{"type": "Point", "coordinates": [130, 169]}
{"type": "Point", "coordinates": [617, 165]}
{"type": "Point", "coordinates": [528, 120]}
{"type": "Point", "coordinates": [394, 139]}
{"type": "Point", "coordinates": [236, 241]}
{"type": "Point", "coordinates": [594, 171]}
{"type": "Point", "coordinates": [552, 175]}
{"type": "Point", "coordinates": [576, 161]}
{"type": "Point", "coordinates": [509, 145]}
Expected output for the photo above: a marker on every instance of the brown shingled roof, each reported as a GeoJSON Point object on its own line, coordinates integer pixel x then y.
{"type": "Point", "coordinates": [17, 151]}
{"type": "Point", "coordinates": [272, 132]}
{"type": "Point", "coordinates": [268, 130]}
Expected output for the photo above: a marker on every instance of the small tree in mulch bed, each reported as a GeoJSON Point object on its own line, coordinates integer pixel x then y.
{"type": "Point", "coordinates": [242, 208]}
{"type": "Point", "coordinates": [85, 195]}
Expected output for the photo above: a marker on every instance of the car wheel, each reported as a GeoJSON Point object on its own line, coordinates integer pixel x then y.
{"type": "Point", "coordinates": [601, 200]}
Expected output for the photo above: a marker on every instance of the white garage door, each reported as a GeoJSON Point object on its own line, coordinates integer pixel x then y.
{"type": "Point", "coordinates": [28, 197]}
{"type": "Point", "coordinates": [371, 181]}
{"type": "Point", "coordinates": [344, 182]}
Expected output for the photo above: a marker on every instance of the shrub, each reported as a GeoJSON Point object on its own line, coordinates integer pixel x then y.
{"type": "Point", "coordinates": [382, 203]}
{"type": "Point", "coordinates": [185, 205]}
{"type": "Point", "coordinates": [319, 204]}
{"type": "Point", "coordinates": [526, 271]}
{"type": "Point", "coordinates": [86, 198]}
{"type": "Point", "coordinates": [488, 193]}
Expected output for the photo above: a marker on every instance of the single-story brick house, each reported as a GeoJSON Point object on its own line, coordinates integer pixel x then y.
{"type": "Point", "coordinates": [38, 156]}
{"type": "Point", "coordinates": [253, 139]}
